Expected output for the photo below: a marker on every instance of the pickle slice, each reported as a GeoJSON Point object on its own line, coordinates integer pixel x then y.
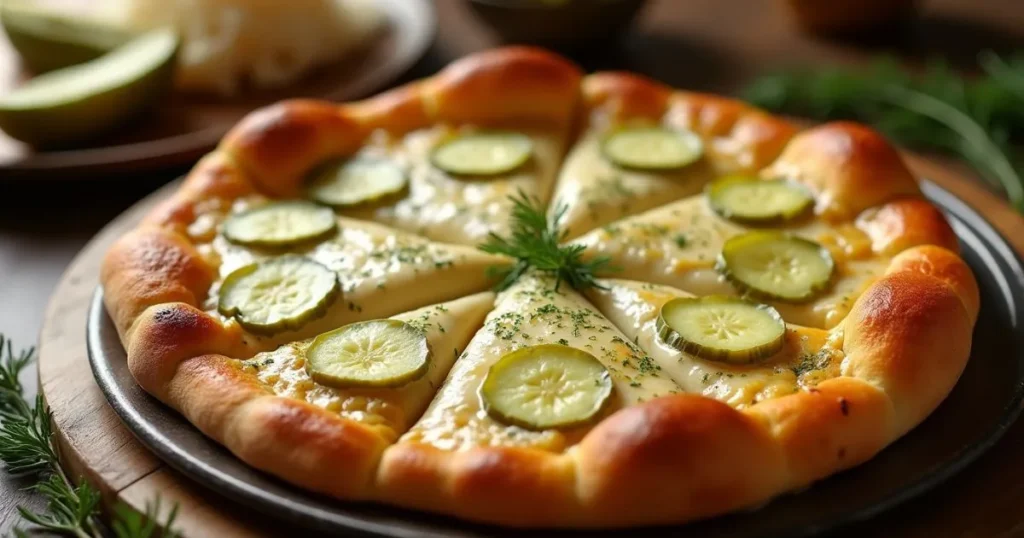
{"type": "Point", "coordinates": [353, 182]}
{"type": "Point", "coordinates": [380, 353]}
{"type": "Point", "coordinates": [483, 153]}
{"type": "Point", "coordinates": [546, 386]}
{"type": "Point", "coordinates": [751, 200]}
{"type": "Point", "coordinates": [728, 329]}
{"type": "Point", "coordinates": [280, 224]}
{"type": "Point", "coordinates": [776, 265]}
{"type": "Point", "coordinates": [279, 294]}
{"type": "Point", "coordinates": [652, 148]}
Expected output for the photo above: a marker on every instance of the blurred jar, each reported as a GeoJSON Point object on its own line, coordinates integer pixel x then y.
{"type": "Point", "coordinates": [559, 24]}
{"type": "Point", "coordinates": [834, 17]}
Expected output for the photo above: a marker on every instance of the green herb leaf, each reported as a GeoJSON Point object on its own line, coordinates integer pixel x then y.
{"type": "Point", "coordinates": [536, 243]}
{"type": "Point", "coordinates": [26, 448]}
{"type": "Point", "coordinates": [939, 110]}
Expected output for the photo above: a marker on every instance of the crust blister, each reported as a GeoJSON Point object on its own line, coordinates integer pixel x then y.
{"type": "Point", "coordinates": [672, 459]}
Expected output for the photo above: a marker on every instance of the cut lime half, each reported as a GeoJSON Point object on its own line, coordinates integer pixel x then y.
{"type": "Point", "coordinates": [72, 104]}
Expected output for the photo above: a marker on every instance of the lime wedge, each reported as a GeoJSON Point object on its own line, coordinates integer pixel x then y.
{"type": "Point", "coordinates": [47, 40]}
{"type": "Point", "coordinates": [75, 103]}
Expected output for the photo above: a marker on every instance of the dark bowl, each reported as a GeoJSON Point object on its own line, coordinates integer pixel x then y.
{"type": "Point", "coordinates": [558, 24]}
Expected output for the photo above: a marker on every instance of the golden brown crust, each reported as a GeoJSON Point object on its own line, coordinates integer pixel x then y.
{"type": "Point", "coordinates": [151, 266]}
{"type": "Point", "coordinates": [908, 335]}
{"type": "Point", "coordinates": [904, 223]}
{"type": "Point", "coordinates": [849, 167]}
{"type": "Point", "coordinates": [947, 267]}
{"type": "Point", "coordinates": [837, 424]}
{"type": "Point", "coordinates": [289, 438]}
{"type": "Point", "coordinates": [671, 459]}
{"type": "Point", "coordinates": [510, 83]}
{"type": "Point", "coordinates": [739, 137]}
{"type": "Point", "coordinates": [506, 485]}
{"type": "Point", "coordinates": [278, 145]}
{"type": "Point", "coordinates": [728, 459]}
{"type": "Point", "coordinates": [623, 95]}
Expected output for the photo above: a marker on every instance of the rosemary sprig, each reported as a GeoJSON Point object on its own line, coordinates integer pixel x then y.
{"type": "Point", "coordinates": [536, 243]}
{"type": "Point", "coordinates": [976, 119]}
{"type": "Point", "coordinates": [26, 449]}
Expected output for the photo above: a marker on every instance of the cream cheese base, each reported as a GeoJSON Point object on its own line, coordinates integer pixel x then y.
{"type": "Point", "coordinates": [455, 209]}
{"type": "Point", "coordinates": [531, 313]}
{"type": "Point", "coordinates": [448, 328]}
{"type": "Point", "coordinates": [678, 244]}
{"type": "Point", "coordinates": [381, 271]}
{"type": "Point", "coordinates": [808, 357]}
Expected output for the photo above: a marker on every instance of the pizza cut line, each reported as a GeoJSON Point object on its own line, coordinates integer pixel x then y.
{"type": "Point", "coordinates": [757, 307]}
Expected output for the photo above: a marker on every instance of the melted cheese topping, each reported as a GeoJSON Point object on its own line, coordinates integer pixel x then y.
{"type": "Point", "coordinates": [597, 192]}
{"type": "Point", "coordinates": [455, 209]}
{"type": "Point", "coordinates": [532, 313]}
{"type": "Point", "coordinates": [448, 328]}
{"type": "Point", "coordinates": [677, 245]}
{"type": "Point", "coordinates": [808, 357]}
{"type": "Point", "coordinates": [381, 272]}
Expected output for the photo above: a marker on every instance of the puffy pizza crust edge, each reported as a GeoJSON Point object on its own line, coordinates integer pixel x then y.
{"type": "Point", "coordinates": [672, 459]}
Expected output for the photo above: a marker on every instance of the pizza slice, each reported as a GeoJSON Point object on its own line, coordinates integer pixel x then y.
{"type": "Point", "coordinates": [644, 144]}
{"type": "Point", "coordinates": [320, 412]}
{"type": "Point", "coordinates": [728, 349]}
{"type": "Point", "coordinates": [759, 237]}
{"type": "Point", "coordinates": [828, 396]}
{"type": "Point", "coordinates": [279, 271]}
{"type": "Point", "coordinates": [532, 315]}
{"type": "Point", "coordinates": [438, 157]}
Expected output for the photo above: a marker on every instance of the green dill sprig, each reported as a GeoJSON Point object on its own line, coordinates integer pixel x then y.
{"type": "Point", "coordinates": [976, 119]}
{"type": "Point", "coordinates": [535, 242]}
{"type": "Point", "coordinates": [26, 449]}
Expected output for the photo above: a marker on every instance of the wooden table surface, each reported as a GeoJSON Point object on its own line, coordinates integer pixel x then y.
{"type": "Point", "coordinates": [713, 45]}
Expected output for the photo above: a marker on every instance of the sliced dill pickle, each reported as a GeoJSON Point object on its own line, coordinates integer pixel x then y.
{"type": "Point", "coordinates": [652, 148]}
{"type": "Point", "coordinates": [280, 224]}
{"type": "Point", "coordinates": [546, 386]}
{"type": "Point", "coordinates": [776, 265]}
{"type": "Point", "coordinates": [728, 329]}
{"type": "Point", "coordinates": [750, 200]}
{"type": "Point", "coordinates": [279, 294]}
{"type": "Point", "coordinates": [357, 181]}
{"type": "Point", "coordinates": [486, 153]}
{"type": "Point", "coordinates": [381, 353]}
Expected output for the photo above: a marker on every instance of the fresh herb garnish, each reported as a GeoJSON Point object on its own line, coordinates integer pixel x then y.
{"type": "Point", "coordinates": [941, 110]}
{"type": "Point", "coordinates": [26, 449]}
{"type": "Point", "coordinates": [536, 243]}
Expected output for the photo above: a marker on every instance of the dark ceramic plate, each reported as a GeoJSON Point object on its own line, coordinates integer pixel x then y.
{"type": "Point", "coordinates": [189, 125]}
{"type": "Point", "coordinates": [979, 410]}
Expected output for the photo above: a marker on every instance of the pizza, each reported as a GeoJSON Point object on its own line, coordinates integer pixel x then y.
{"type": "Point", "coordinates": [683, 306]}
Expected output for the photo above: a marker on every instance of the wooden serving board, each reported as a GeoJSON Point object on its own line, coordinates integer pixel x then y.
{"type": "Point", "coordinates": [981, 502]}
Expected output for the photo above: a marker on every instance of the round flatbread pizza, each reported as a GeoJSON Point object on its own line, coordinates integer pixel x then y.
{"type": "Point", "coordinates": [682, 305]}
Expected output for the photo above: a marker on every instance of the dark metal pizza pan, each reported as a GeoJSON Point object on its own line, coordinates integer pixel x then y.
{"type": "Point", "coordinates": [985, 402]}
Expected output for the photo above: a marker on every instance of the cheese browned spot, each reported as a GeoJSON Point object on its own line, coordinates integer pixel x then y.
{"type": "Point", "coordinates": [808, 356]}
{"type": "Point", "coordinates": [678, 244]}
{"type": "Point", "coordinates": [531, 312]}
